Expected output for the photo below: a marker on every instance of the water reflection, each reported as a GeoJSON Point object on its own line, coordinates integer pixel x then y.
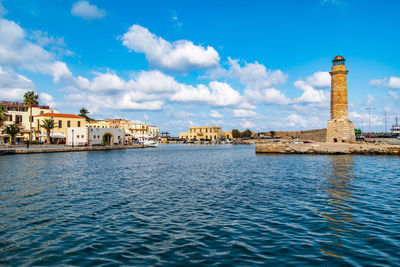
{"type": "Point", "coordinates": [338, 210]}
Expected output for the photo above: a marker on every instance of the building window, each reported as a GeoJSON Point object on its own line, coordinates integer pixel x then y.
{"type": "Point", "coordinates": [79, 124]}
{"type": "Point", "coordinates": [68, 123]}
{"type": "Point", "coordinates": [42, 112]}
{"type": "Point", "coordinates": [18, 118]}
{"type": "Point", "coordinates": [60, 124]}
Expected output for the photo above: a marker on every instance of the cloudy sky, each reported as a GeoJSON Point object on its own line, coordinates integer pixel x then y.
{"type": "Point", "coordinates": [239, 64]}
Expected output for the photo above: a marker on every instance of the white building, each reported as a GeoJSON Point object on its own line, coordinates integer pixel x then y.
{"type": "Point", "coordinates": [153, 131]}
{"type": "Point", "coordinates": [94, 136]}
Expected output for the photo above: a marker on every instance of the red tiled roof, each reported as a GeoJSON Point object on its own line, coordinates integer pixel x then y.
{"type": "Point", "coordinates": [59, 115]}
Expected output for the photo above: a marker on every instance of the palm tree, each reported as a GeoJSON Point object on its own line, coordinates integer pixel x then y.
{"type": "Point", "coordinates": [30, 99]}
{"type": "Point", "coordinates": [83, 113]}
{"type": "Point", "coordinates": [12, 130]}
{"type": "Point", "coordinates": [48, 125]}
{"type": "Point", "coordinates": [3, 114]}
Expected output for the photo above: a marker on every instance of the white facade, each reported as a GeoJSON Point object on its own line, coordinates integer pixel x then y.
{"type": "Point", "coordinates": [153, 131]}
{"type": "Point", "coordinates": [77, 136]}
{"type": "Point", "coordinates": [94, 136]}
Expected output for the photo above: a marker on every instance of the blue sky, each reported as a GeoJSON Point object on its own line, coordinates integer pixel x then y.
{"type": "Point", "coordinates": [261, 65]}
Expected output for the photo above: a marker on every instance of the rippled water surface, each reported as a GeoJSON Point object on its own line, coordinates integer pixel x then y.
{"type": "Point", "coordinates": [199, 205]}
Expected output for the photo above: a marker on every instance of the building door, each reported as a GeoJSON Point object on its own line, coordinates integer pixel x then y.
{"type": "Point", "coordinates": [107, 139]}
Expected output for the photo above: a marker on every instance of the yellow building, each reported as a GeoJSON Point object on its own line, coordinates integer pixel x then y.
{"type": "Point", "coordinates": [19, 113]}
{"type": "Point", "coordinates": [212, 133]}
{"type": "Point", "coordinates": [98, 124]}
{"type": "Point", "coordinates": [61, 122]}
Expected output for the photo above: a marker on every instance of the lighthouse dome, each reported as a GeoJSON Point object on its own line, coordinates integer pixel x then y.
{"type": "Point", "coordinates": [338, 60]}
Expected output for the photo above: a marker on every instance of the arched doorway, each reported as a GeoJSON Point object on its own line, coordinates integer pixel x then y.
{"type": "Point", "coordinates": [107, 139]}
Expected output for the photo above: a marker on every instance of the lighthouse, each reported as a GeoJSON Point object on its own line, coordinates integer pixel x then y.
{"type": "Point", "coordinates": [340, 129]}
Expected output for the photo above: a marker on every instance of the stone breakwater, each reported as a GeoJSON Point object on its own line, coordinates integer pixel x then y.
{"type": "Point", "coordinates": [55, 149]}
{"type": "Point", "coordinates": [327, 148]}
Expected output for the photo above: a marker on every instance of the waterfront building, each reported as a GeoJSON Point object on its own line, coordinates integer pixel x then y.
{"type": "Point", "coordinates": [212, 133]}
{"type": "Point", "coordinates": [153, 131]}
{"type": "Point", "coordinates": [61, 121]}
{"type": "Point", "coordinates": [94, 136]}
{"type": "Point", "coordinates": [340, 128]}
{"type": "Point", "coordinates": [19, 114]}
{"type": "Point", "coordinates": [132, 129]}
{"type": "Point", "coordinates": [98, 124]}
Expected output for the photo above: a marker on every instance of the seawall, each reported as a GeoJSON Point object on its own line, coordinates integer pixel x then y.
{"type": "Point", "coordinates": [293, 147]}
{"type": "Point", "coordinates": [56, 149]}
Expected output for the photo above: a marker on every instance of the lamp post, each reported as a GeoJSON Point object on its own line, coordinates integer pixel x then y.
{"type": "Point", "coordinates": [72, 137]}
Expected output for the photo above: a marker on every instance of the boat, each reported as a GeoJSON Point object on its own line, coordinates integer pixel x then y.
{"type": "Point", "coordinates": [148, 142]}
{"type": "Point", "coordinates": [396, 128]}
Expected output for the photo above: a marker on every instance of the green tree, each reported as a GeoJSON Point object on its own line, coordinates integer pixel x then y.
{"type": "Point", "coordinates": [272, 133]}
{"type": "Point", "coordinates": [12, 130]}
{"type": "Point", "coordinates": [235, 133]}
{"type": "Point", "coordinates": [83, 113]}
{"type": "Point", "coordinates": [48, 125]}
{"type": "Point", "coordinates": [3, 114]}
{"type": "Point", "coordinates": [30, 98]}
{"type": "Point", "coordinates": [247, 133]}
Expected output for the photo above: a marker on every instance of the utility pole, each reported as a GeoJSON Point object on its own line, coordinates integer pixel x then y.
{"type": "Point", "coordinates": [385, 120]}
{"type": "Point", "coordinates": [369, 119]}
{"type": "Point", "coordinates": [362, 125]}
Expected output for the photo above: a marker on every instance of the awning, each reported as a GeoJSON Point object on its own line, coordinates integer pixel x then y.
{"type": "Point", "coordinates": [57, 135]}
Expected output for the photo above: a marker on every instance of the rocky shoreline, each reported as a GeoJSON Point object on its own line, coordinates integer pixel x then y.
{"type": "Point", "coordinates": [297, 147]}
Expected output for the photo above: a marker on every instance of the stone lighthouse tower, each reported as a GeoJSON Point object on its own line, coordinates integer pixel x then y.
{"type": "Point", "coordinates": [340, 129]}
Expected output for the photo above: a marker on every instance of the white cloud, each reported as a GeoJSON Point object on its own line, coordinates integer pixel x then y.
{"type": "Point", "coordinates": [216, 115]}
{"type": "Point", "coordinates": [365, 118]}
{"type": "Point", "coordinates": [259, 81]}
{"type": "Point", "coordinates": [175, 19]}
{"type": "Point", "coordinates": [379, 82]}
{"type": "Point", "coordinates": [247, 124]}
{"type": "Point", "coordinates": [243, 113]}
{"type": "Point", "coordinates": [47, 99]}
{"type": "Point", "coordinates": [310, 94]}
{"type": "Point", "coordinates": [216, 94]}
{"type": "Point", "coordinates": [393, 94]}
{"type": "Point", "coordinates": [299, 122]}
{"type": "Point", "coordinates": [153, 88]}
{"type": "Point", "coordinates": [320, 79]}
{"type": "Point", "coordinates": [255, 74]}
{"type": "Point", "coordinates": [173, 113]}
{"type": "Point", "coordinates": [369, 100]}
{"type": "Point", "coordinates": [54, 44]}
{"type": "Point", "coordinates": [13, 85]}
{"type": "Point", "coordinates": [394, 82]}
{"type": "Point", "coordinates": [17, 51]}
{"type": "Point", "coordinates": [267, 96]}
{"type": "Point", "coordinates": [85, 10]}
{"type": "Point", "coordinates": [179, 56]}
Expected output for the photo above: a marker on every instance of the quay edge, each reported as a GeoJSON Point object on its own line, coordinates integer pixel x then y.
{"type": "Point", "coordinates": [327, 148]}
{"type": "Point", "coordinates": [66, 149]}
